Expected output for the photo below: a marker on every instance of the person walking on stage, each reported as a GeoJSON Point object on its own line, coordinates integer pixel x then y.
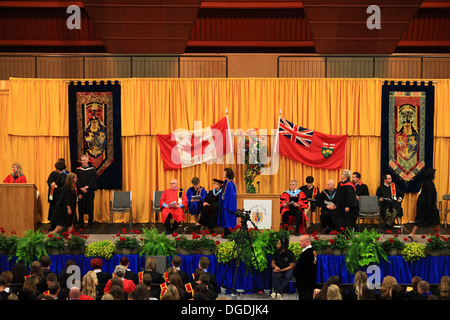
{"type": "Point", "coordinates": [427, 211]}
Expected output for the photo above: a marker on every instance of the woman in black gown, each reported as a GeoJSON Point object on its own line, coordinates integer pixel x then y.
{"type": "Point", "coordinates": [210, 211]}
{"type": "Point", "coordinates": [65, 211]}
{"type": "Point", "coordinates": [427, 211]}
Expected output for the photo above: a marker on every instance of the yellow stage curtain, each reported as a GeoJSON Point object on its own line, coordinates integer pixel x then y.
{"type": "Point", "coordinates": [34, 130]}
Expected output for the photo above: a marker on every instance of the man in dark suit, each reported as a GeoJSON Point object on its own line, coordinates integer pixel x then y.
{"type": "Point", "coordinates": [305, 271]}
{"type": "Point", "coordinates": [176, 263]}
{"type": "Point", "coordinates": [203, 263]}
{"type": "Point", "coordinates": [130, 275]}
{"type": "Point", "coordinates": [102, 277]}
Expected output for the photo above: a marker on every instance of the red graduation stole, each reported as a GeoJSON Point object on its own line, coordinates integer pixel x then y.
{"type": "Point", "coordinates": [314, 192]}
{"type": "Point", "coordinates": [188, 287]}
{"type": "Point", "coordinates": [393, 191]}
{"type": "Point", "coordinates": [47, 293]}
{"type": "Point", "coordinates": [166, 276]}
{"type": "Point", "coordinates": [163, 289]}
{"type": "Point", "coordinates": [141, 276]}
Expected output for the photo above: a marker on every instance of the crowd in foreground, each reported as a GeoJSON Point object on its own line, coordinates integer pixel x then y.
{"type": "Point", "coordinates": [39, 283]}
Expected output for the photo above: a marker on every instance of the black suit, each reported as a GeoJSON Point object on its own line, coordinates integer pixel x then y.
{"type": "Point", "coordinates": [305, 273]}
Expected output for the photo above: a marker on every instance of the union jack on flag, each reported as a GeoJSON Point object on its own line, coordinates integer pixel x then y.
{"type": "Point", "coordinates": [295, 133]}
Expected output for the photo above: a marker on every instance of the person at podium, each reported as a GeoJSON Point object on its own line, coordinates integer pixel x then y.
{"type": "Point", "coordinates": [172, 203]}
{"type": "Point", "coordinates": [293, 203]}
{"type": "Point", "coordinates": [17, 175]}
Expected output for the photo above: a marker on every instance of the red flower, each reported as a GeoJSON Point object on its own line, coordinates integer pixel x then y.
{"type": "Point", "coordinates": [391, 240]}
{"type": "Point", "coordinates": [405, 239]}
{"type": "Point", "coordinates": [174, 234]}
{"type": "Point", "coordinates": [217, 242]}
{"type": "Point", "coordinates": [332, 241]}
{"type": "Point", "coordinates": [424, 236]}
{"type": "Point", "coordinates": [214, 234]}
{"type": "Point", "coordinates": [388, 231]}
{"type": "Point", "coordinates": [50, 235]}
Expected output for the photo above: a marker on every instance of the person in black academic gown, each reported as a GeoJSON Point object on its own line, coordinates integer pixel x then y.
{"type": "Point", "coordinates": [326, 200]}
{"type": "Point", "coordinates": [65, 210]}
{"type": "Point", "coordinates": [427, 211]}
{"type": "Point", "coordinates": [390, 198]}
{"type": "Point", "coordinates": [210, 210]}
{"type": "Point", "coordinates": [361, 188]}
{"type": "Point", "coordinates": [87, 184]}
{"type": "Point", "coordinates": [347, 207]}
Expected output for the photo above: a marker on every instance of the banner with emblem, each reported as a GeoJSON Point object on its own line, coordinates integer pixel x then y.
{"type": "Point", "coordinates": [311, 147]}
{"type": "Point", "coordinates": [95, 129]}
{"type": "Point", "coordinates": [407, 131]}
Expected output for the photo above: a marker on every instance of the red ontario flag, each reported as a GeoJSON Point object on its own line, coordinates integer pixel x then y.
{"type": "Point", "coordinates": [311, 147]}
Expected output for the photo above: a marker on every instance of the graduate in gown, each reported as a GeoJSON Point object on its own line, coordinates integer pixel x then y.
{"type": "Point", "coordinates": [64, 215]}
{"type": "Point", "coordinates": [347, 207]}
{"type": "Point", "coordinates": [427, 211]}
{"type": "Point", "coordinates": [54, 182]}
{"type": "Point", "coordinates": [195, 204]}
{"type": "Point", "coordinates": [87, 184]}
{"type": "Point", "coordinates": [210, 209]}
{"type": "Point", "coordinates": [172, 203]}
{"type": "Point", "coordinates": [16, 176]}
{"type": "Point", "coordinates": [293, 203]}
{"type": "Point", "coordinates": [326, 200]}
{"type": "Point", "coordinates": [390, 209]}
{"type": "Point", "coordinates": [228, 202]}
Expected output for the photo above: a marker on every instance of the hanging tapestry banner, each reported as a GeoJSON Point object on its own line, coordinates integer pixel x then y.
{"type": "Point", "coordinates": [95, 129]}
{"type": "Point", "coordinates": [407, 129]}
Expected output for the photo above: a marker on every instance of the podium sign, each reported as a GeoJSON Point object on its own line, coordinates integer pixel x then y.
{"type": "Point", "coordinates": [260, 213]}
{"type": "Point", "coordinates": [265, 209]}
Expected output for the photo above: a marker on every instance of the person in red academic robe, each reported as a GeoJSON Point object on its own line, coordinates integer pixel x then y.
{"type": "Point", "coordinates": [172, 203]}
{"type": "Point", "coordinates": [293, 202]}
{"type": "Point", "coordinates": [17, 175]}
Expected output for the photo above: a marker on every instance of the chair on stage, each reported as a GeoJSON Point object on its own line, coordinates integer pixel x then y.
{"type": "Point", "coordinates": [369, 209]}
{"type": "Point", "coordinates": [444, 212]}
{"type": "Point", "coordinates": [154, 205]}
{"type": "Point", "coordinates": [121, 202]}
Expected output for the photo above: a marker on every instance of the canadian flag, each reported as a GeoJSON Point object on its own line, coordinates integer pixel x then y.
{"type": "Point", "coordinates": [184, 148]}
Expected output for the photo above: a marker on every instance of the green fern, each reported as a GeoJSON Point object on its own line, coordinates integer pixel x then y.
{"type": "Point", "coordinates": [30, 247]}
{"type": "Point", "coordinates": [156, 244]}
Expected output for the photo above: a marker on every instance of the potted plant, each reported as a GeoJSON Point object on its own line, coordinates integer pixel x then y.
{"type": "Point", "coordinates": [207, 245]}
{"type": "Point", "coordinates": [413, 251]}
{"type": "Point", "coordinates": [127, 244]}
{"type": "Point", "coordinates": [364, 249]}
{"type": "Point", "coordinates": [6, 243]}
{"type": "Point", "coordinates": [339, 243]}
{"type": "Point", "coordinates": [76, 243]}
{"type": "Point", "coordinates": [55, 243]}
{"type": "Point", "coordinates": [392, 245]}
{"type": "Point", "coordinates": [29, 248]}
{"type": "Point", "coordinates": [321, 246]}
{"type": "Point", "coordinates": [226, 252]}
{"type": "Point", "coordinates": [185, 246]}
{"type": "Point", "coordinates": [100, 249]}
{"type": "Point", "coordinates": [156, 244]}
{"type": "Point", "coordinates": [435, 244]}
{"type": "Point", "coordinates": [296, 249]}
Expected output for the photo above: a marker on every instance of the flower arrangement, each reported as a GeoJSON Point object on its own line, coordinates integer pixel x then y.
{"type": "Point", "coordinates": [435, 242]}
{"type": "Point", "coordinates": [413, 251]}
{"type": "Point", "coordinates": [101, 249]}
{"type": "Point", "coordinates": [319, 245]}
{"type": "Point", "coordinates": [6, 243]}
{"type": "Point", "coordinates": [393, 245]}
{"type": "Point", "coordinates": [364, 249]}
{"type": "Point", "coordinates": [208, 245]}
{"type": "Point", "coordinates": [185, 245]}
{"type": "Point", "coordinates": [226, 251]}
{"type": "Point", "coordinates": [339, 241]}
{"type": "Point", "coordinates": [76, 242]}
{"type": "Point", "coordinates": [55, 243]}
{"type": "Point", "coordinates": [127, 244]}
{"type": "Point", "coordinates": [252, 151]}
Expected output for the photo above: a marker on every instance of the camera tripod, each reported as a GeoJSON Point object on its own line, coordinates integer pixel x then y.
{"type": "Point", "coordinates": [242, 239]}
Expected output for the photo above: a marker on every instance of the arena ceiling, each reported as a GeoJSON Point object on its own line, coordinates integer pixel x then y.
{"type": "Point", "coordinates": [210, 26]}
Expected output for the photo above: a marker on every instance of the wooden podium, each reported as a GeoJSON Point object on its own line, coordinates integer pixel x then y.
{"type": "Point", "coordinates": [18, 207]}
{"type": "Point", "coordinates": [276, 218]}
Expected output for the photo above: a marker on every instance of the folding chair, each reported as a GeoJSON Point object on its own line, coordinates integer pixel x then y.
{"type": "Point", "coordinates": [121, 202]}
{"type": "Point", "coordinates": [154, 205]}
{"type": "Point", "coordinates": [444, 212]}
{"type": "Point", "coordinates": [369, 209]}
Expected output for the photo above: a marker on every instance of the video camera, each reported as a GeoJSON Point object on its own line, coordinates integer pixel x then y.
{"type": "Point", "coordinates": [241, 213]}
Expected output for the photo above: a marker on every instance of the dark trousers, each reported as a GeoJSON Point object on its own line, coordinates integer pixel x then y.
{"type": "Point", "coordinates": [170, 227]}
{"type": "Point", "coordinates": [305, 294]}
{"type": "Point", "coordinates": [293, 212]}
